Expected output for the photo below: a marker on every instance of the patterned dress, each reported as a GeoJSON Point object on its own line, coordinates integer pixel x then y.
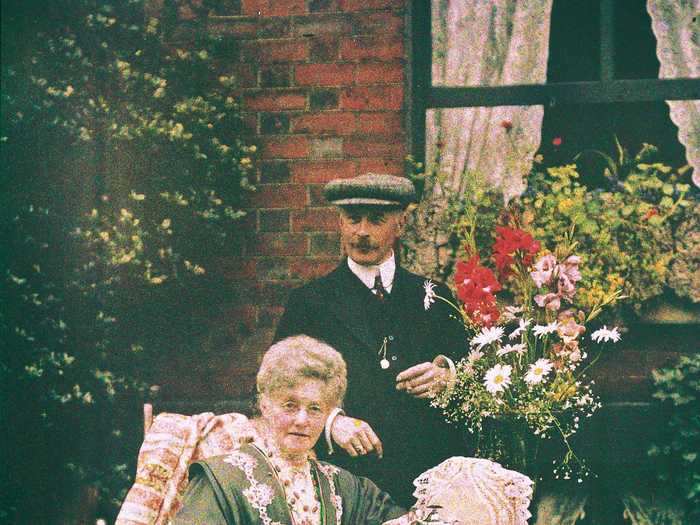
{"type": "Point", "coordinates": [252, 487]}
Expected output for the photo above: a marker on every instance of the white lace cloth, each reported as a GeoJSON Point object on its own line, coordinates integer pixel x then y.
{"type": "Point", "coordinates": [472, 491]}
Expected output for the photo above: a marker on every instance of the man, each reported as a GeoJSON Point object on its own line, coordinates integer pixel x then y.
{"type": "Point", "coordinates": [372, 311]}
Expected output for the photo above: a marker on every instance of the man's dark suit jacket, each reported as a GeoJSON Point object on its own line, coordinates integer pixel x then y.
{"type": "Point", "coordinates": [340, 310]}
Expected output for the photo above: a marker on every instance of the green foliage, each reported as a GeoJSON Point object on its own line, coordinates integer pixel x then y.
{"type": "Point", "coordinates": [678, 389]}
{"type": "Point", "coordinates": [639, 233]}
{"type": "Point", "coordinates": [124, 174]}
{"type": "Point", "coordinates": [625, 233]}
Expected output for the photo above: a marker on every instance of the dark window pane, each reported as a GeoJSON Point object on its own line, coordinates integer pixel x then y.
{"type": "Point", "coordinates": [574, 40]}
{"type": "Point", "coordinates": [570, 129]}
{"type": "Point", "coordinates": [635, 44]}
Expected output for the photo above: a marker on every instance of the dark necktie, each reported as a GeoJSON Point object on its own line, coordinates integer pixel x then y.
{"type": "Point", "coordinates": [378, 287]}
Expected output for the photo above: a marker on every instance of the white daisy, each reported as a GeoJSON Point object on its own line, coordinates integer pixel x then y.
{"type": "Point", "coordinates": [522, 325]}
{"type": "Point", "coordinates": [429, 298]}
{"type": "Point", "coordinates": [605, 334]}
{"type": "Point", "coordinates": [487, 336]}
{"type": "Point", "coordinates": [510, 313]}
{"type": "Point", "coordinates": [497, 378]}
{"type": "Point", "coordinates": [539, 330]}
{"type": "Point", "coordinates": [507, 349]}
{"type": "Point", "coordinates": [538, 370]}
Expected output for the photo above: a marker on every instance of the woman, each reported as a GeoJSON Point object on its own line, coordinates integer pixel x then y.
{"type": "Point", "coordinates": [263, 471]}
{"type": "Point", "coordinates": [275, 479]}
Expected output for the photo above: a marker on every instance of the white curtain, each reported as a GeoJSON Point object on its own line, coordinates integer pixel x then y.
{"type": "Point", "coordinates": [479, 43]}
{"type": "Point", "coordinates": [676, 25]}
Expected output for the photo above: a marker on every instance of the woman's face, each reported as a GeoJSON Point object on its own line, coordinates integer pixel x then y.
{"type": "Point", "coordinates": [296, 415]}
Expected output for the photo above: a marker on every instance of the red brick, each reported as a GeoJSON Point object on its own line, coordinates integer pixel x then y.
{"type": "Point", "coordinates": [379, 72]}
{"type": "Point", "coordinates": [315, 220]}
{"type": "Point", "coordinates": [380, 124]}
{"type": "Point", "coordinates": [392, 167]}
{"type": "Point", "coordinates": [246, 315]}
{"type": "Point", "coordinates": [324, 48]}
{"type": "Point", "coordinates": [325, 148]}
{"type": "Point", "coordinates": [274, 220]}
{"type": "Point", "coordinates": [268, 51]}
{"type": "Point", "coordinates": [316, 197]}
{"type": "Point", "coordinates": [367, 5]}
{"type": "Point", "coordinates": [278, 196]}
{"type": "Point", "coordinates": [285, 148]}
{"type": "Point", "coordinates": [240, 27]}
{"type": "Point", "coordinates": [372, 98]}
{"type": "Point", "coordinates": [250, 122]}
{"type": "Point", "coordinates": [269, 316]}
{"type": "Point", "coordinates": [327, 244]}
{"type": "Point", "coordinates": [323, 6]}
{"type": "Point", "coordinates": [235, 268]}
{"type": "Point", "coordinates": [335, 123]}
{"type": "Point", "coordinates": [273, 293]}
{"type": "Point", "coordinates": [273, 7]}
{"type": "Point", "coordinates": [362, 47]}
{"type": "Point", "coordinates": [373, 147]}
{"type": "Point", "coordinates": [322, 171]}
{"type": "Point", "coordinates": [324, 74]}
{"type": "Point", "coordinates": [243, 75]}
{"type": "Point", "coordinates": [274, 100]}
{"type": "Point", "coordinates": [272, 269]}
{"type": "Point", "coordinates": [252, 27]}
{"type": "Point", "coordinates": [382, 23]}
{"type": "Point", "coordinates": [323, 25]}
{"type": "Point", "coordinates": [312, 268]}
{"type": "Point", "coordinates": [278, 244]}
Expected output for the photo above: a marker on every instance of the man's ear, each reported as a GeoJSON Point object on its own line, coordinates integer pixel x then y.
{"type": "Point", "coordinates": [401, 219]}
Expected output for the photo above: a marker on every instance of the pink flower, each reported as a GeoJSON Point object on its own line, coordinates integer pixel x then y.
{"type": "Point", "coordinates": [568, 277]}
{"type": "Point", "coordinates": [569, 330]}
{"type": "Point", "coordinates": [544, 269]}
{"type": "Point", "coordinates": [550, 301]}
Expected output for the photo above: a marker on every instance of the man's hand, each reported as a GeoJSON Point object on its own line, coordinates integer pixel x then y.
{"type": "Point", "coordinates": [423, 380]}
{"type": "Point", "coordinates": [355, 436]}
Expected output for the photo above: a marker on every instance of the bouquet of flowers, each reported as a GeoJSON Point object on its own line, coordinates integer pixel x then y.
{"type": "Point", "coordinates": [524, 378]}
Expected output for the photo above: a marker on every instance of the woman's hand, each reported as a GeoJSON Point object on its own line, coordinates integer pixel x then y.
{"type": "Point", "coordinates": [355, 436]}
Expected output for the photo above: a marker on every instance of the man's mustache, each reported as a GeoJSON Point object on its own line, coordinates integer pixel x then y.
{"type": "Point", "coordinates": [363, 245]}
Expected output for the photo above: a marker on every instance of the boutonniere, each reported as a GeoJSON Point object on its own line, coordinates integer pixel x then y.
{"type": "Point", "coordinates": [429, 287]}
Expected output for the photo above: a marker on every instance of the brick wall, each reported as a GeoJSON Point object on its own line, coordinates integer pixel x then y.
{"type": "Point", "coordinates": [321, 84]}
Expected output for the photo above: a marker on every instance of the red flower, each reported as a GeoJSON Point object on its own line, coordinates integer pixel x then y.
{"type": "Point", "coordinates": [648, 215]}
{"type": "Point", "coordinates": [476, 286]}
{"type": "Point", "coordinates": [509, 241]}
{"type": "Point", "coordinates": [556, 141]}
{"type": "Point", "coordinates": [507, 125]}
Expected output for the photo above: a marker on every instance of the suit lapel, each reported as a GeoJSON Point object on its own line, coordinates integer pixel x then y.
{"type": "Point", "coordinates": [348, 302]}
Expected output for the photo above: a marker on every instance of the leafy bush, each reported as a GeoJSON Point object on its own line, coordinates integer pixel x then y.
{"type": "Point", "coordinates": [124, 173]}
{"type": "Point", "coordinates": [678, 389]}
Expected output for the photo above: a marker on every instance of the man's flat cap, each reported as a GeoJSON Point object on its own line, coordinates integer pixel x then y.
{"type": "Point", "coordinates": [370, 189]}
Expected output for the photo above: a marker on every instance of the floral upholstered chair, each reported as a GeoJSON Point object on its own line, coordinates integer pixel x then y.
{"type": "Point", "coordinates": [171, 443]}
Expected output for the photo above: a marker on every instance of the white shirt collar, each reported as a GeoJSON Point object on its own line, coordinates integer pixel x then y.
{"type": "Point", "coordinates": [366, 273]}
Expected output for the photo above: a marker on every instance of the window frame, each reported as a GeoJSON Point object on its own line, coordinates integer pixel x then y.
{"type": "Point", "coordinates": [423, 95]}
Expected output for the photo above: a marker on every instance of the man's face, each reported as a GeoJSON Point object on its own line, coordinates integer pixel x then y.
{"type": "Point", "coordinates": [368, 233]}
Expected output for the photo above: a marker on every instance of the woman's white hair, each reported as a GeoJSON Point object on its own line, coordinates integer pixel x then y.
{"type": "Point", "coordinates": [290, 361]}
